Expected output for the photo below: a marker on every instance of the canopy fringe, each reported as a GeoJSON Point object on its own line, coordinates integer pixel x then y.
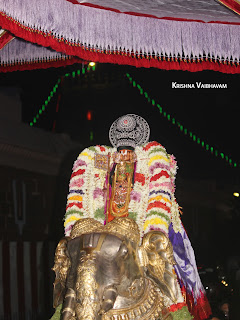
{"type": "Point", "coordinates": [158, 43]}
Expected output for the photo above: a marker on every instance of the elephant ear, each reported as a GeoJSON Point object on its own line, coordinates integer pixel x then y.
{"type": "Point", "coordinates": [157, 254]}
{"type": "Point", "coordinates": [61, 267]}
{"type": "Point", "coordinates": [153, 261]}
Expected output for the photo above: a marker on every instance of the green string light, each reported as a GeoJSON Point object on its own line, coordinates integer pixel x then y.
{"type": "Point", "coordinates": [160, 108]}
{"type": "Point", "coordinates": [91, 135]}
{"type": "Point", "coordinates": [54, 90]}
{"type": "Point", "coordinates": [181, 127]}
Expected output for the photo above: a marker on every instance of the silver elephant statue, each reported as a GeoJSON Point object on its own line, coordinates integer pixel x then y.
{"type": "Point", "coordinates": [102, 273]}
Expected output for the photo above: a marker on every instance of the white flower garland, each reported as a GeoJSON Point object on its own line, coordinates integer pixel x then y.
{"type": "Point", "coordinates": [152, 203]}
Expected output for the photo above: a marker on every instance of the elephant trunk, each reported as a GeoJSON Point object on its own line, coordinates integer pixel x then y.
{"type": "Point", "coordinates": [88, 302]}
{"type": "Point", "coordinates": [68, 310]}
{"type": "Point", "coordinates": [109, 297]}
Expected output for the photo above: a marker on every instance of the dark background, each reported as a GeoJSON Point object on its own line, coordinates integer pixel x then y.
{"type": "Point", "coordinates": [211, 114]}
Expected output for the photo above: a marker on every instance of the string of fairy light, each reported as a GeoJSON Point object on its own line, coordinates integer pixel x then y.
{"type": "Point", "coordinates": [169, 117]}
{"type": "Point", "coordinates": [183, 129]}
{"type": "Point", "coordinates": [73, 74]}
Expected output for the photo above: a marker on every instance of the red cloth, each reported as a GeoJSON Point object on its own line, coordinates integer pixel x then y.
{"type": "Point", "coordinates": [5, 38]}
{"type": "Point", "coordinates": [200, 309]}
{"type": "Point", "coordinates": [232, 5]}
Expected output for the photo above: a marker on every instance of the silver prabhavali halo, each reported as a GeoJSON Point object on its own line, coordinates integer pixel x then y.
{"type": "Point", "coordinates": [129, 130]}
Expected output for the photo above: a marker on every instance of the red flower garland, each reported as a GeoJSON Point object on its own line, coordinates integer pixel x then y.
{"type": "Point", "coordinates": [158, 204]}
{"type": "Point", "coordinates": [77, 204]}
{"type": "Point", "coordinates": [80, 171]}
{"type": "Point", "coordinates": [102, 149]}
{"type": "Point", "coordinates": [152, 144]}
{"type": "Point", "coordinates": [139, 177]}
{"type": "Point", "coordinates": [177, 306]}
{"type": "Point", "coordinates": [159, 175]}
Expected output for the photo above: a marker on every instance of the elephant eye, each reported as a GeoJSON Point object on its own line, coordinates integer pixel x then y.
{"type": "Point", "coordinates": [123, 251]}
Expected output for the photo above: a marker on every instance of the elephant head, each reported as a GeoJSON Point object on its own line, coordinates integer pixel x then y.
{"type": "Point", "coordinates": [105, 279]}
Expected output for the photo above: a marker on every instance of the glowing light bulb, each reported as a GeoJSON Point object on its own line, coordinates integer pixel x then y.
{"type": "Point", "coordinates": [236, 194]}
{"type": "Point", "coordinates": [92, 64]}
{"type": "Point", "coordinates": [89, 115]}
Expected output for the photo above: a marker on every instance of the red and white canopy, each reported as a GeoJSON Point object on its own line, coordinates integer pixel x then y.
{"type": "Point", "coordinates": [189, 35]}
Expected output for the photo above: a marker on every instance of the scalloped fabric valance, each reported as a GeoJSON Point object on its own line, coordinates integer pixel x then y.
{"type": "Point", "coordinates": [179, 35]}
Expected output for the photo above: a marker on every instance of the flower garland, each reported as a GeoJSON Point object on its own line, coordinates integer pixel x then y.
{"type": "Point", "coordinates": [162, 171]}
{"type": "Point", "coordinates": [152, 203]}
{"type": "Point", "coordinates": [86, 196]}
